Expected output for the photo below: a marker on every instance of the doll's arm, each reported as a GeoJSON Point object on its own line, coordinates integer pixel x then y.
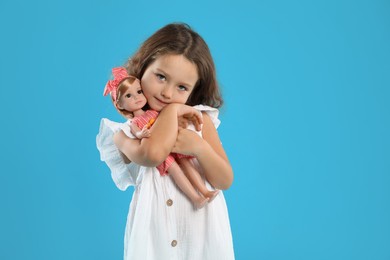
{"type": "Point", "coordinates": [139, 133]}
{"type": "Point", "coordinates": [155, 149]}
{"type": "Point", "coordinates": [209, 152]}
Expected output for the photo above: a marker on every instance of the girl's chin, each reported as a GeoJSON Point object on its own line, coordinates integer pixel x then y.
{"type": "Point", "coordinates": [157, 106]}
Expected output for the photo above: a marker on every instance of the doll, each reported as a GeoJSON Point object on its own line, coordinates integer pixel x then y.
{"type": "Point", "coordinates": [127, 96]}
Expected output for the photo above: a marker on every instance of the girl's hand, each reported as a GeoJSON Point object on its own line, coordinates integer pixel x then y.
{"type": "Point", "coordinates": [188, 142]}
{"type": "Point", "coordinates": [184, 122]}
{"type": "Point", "coordinates": [187, 114]}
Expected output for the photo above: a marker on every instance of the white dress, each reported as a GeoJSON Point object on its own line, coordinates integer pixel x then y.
{"type": "Point", "coordinates": [162, 222]}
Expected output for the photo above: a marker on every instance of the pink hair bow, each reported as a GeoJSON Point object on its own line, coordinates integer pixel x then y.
{"type": "Point", "coordinates": [119, 74]}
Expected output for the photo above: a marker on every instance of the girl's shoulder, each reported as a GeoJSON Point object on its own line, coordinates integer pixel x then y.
{"type": "Point", "coordinates": [108, 128]}
{"type": "Point", "coordinates": [123, 174]}
{"type": "Point", "coordinates": [107, 124]}
{"type": "Point", "coordinates": [212, 112]}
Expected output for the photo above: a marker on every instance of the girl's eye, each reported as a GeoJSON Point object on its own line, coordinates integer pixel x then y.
{"type": "Point", "coordinates": [139, 92]}
{"type": "Point", "coordinates": [183, 88]}
{"type": "Point", "coordinates": [128, 95]}
{"type": "Point", "coordinates": [161, 77]}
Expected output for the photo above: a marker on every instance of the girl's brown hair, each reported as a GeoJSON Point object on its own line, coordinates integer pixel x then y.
{"type": "Point", "coordinates": [180, 39]}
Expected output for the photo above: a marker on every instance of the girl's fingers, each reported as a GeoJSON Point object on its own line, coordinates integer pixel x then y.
{"type": "Point", "coordinates": [189, 114]}
{"type": "Point", "coordinates": [183, 123]}
{"type": "Point", "coordinates": [197, 120]}
{"type": "Point", "coordinates": [198, 125]}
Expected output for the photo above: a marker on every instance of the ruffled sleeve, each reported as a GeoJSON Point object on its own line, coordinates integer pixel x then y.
{"type": "Point", "coordinates": [122, 174]}
{"type": "Point", "coordinates": [212, 112]}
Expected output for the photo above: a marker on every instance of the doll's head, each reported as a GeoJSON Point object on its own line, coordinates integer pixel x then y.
{"type": "Point", "coordinates": [126, 93]}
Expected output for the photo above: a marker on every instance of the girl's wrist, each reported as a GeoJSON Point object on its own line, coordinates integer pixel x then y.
{"type": "Point", "coordinates": [171, 106]}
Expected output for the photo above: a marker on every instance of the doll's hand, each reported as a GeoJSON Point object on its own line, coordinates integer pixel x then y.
{"type": "Point", "coordinates": [144, 133]}
{"type": "Point", "coordinates": [187, 142]}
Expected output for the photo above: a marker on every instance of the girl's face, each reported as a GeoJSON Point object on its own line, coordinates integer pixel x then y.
{"type": "Point", "coordinates": [169, 79]}
{"type": "Point", "coordinates": [132, 99]}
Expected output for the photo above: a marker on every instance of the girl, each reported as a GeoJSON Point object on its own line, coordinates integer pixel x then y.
{"type": "Point", "coordinates": [176, 72]}
{"type": "Point", "coordinates": [128, 99]}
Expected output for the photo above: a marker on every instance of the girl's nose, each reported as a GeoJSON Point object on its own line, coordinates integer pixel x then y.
{"type": "Point", "coordinates": [167, 92]}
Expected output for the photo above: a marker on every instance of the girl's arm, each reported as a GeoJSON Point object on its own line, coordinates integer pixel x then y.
{"type": "Point", "coordinates": [154, 150]}
{"type": "Point", "coordinates": [209, 152]}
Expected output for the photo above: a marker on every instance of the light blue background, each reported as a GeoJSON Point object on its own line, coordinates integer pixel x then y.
{"type": "Point", "coordinates": [305, 123]}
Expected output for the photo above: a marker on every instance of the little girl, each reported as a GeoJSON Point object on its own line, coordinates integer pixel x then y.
{"type": "Point", "coordinates": [178, 79]}
{"type": "Point", "coordinates": [127, 96]}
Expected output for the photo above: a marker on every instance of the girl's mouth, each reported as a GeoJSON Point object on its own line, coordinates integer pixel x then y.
{"type": "Point", "coordinates": [161, 102]}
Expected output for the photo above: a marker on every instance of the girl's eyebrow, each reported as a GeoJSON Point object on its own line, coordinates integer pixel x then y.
{"type": "Point", "coordinates": [161, 70]}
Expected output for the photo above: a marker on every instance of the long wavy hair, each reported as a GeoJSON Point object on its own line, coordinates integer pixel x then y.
{"type": "Point", "coordinates": [180, 39]}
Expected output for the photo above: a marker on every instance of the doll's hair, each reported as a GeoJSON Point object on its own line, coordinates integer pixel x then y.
{"type": "Point", "coordinates": [122, 88]}
{"type": "Point", "coordinates": [180, 39]}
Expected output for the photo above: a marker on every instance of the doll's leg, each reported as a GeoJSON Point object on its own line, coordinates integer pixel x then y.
{"type": "Point", "coordinates": [185, 185]}
{"type": "Point", "coordinates": [193, 175]}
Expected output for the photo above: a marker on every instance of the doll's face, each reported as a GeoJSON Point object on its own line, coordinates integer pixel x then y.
{"type": "Point", "coordinates": [132, 99]}
{"type": "Point", "coordinates": [169, 79]}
